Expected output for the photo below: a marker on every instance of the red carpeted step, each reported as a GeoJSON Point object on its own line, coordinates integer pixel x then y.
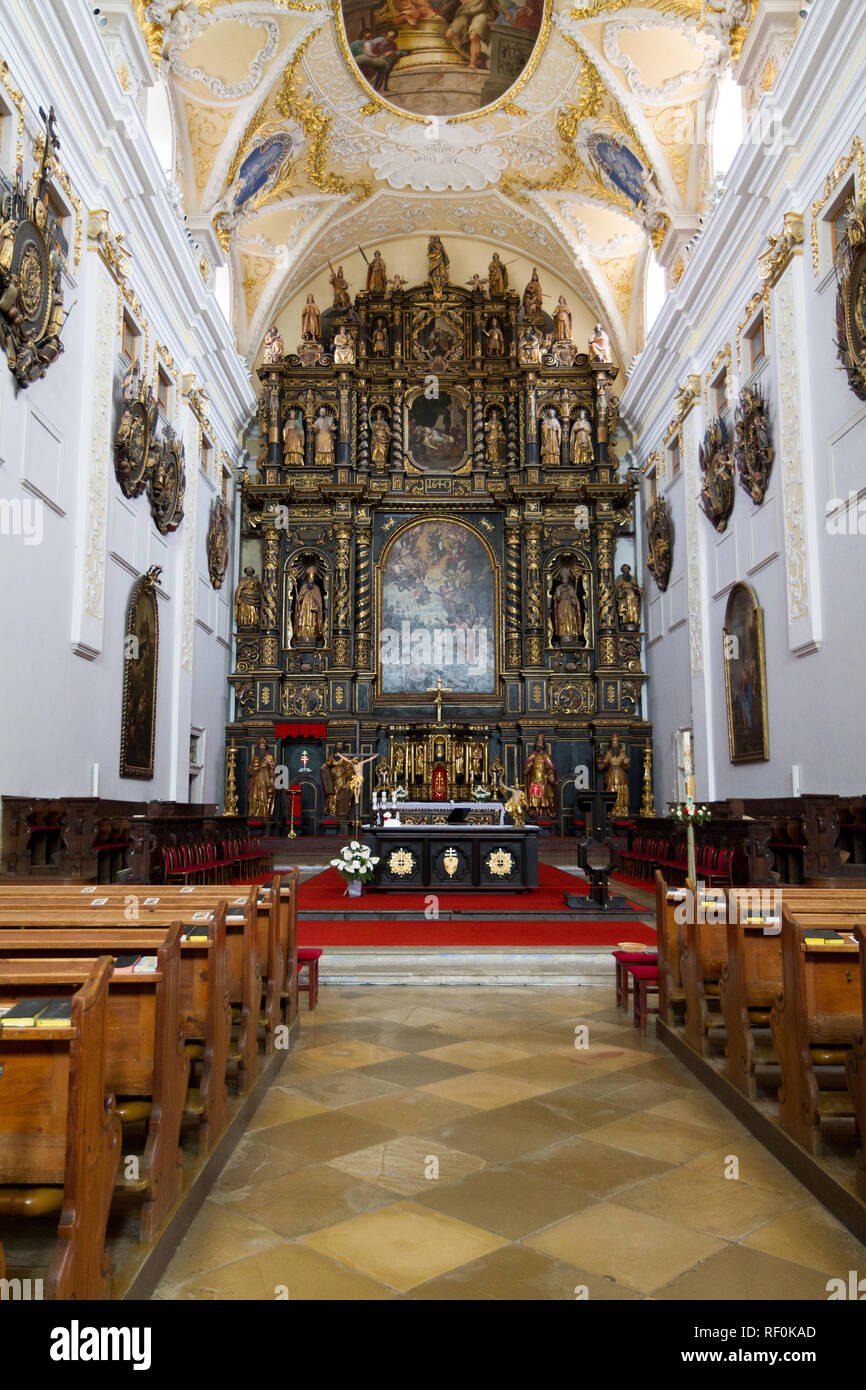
{"type": "Point", "coordinates": [436, 933]}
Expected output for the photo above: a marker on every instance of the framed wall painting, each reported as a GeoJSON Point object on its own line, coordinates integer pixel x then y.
{"type": "Point", "coordinates": [141, 660]}
{"type": "Point", "coordinates": [745, 677]}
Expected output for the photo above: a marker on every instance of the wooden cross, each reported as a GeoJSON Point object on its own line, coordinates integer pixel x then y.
{"type": "Point", "coordinates": [439, 690]}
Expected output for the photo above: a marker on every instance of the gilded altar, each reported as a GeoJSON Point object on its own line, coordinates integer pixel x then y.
{"type": "Point", "coordinates": [429, 548]}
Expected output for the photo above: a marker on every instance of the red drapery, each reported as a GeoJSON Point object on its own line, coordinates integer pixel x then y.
{"type": "Point", "coordinates": [300, 730]}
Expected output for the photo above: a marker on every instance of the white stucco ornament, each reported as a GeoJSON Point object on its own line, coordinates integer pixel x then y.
{"type": "Point", "coordinates": [438, 157]}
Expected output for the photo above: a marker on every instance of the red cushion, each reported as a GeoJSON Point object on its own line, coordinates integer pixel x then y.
{"type": "Point", "coordinates": [309, 953]}
{"type": "Point", "coordinates": [646, 957]}
{"type": "Point", "coordinates": [643, 972]}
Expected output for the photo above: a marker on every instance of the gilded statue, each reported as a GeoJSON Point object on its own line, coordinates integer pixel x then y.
{"type": "Point", "coordinates": [261, 782]}
{"type": "Point", "coordinates": [293, 441]}
{"type": "Point", "coordinates": [323, 430]}
{"type": "Point", "coordinates": [566, 612]}
{"type": "Point", "coordinates": [529, 351]}
{"type": "Point", "coordinates": [580, 448]}
{"type": "Point", "coordinates": [247, 597]}
{"type": "Point", "coordinates": [495, 439]}
{"type": "Point", "coordinates": [309, 610]}
{"type": "Point", "coordinates": [497, 277]}
{"type": "Point", "coordinates": [540, 782]}
{"type": "Point", "coordinates": [355, 764]}
{"type": "Point", "coordinates": [532, 295]}
{"type": "Point", "coordinates": [627, 596]}
{"type": "Point", "coordinates": [380, 437]}
{"type": "Point", "coordinates": [476, 762]}
{"type": "Point", "coordinates": [437, 263]}
{"type": "Point", "coordinates": [311, 319]}
{"type": "Point", "coordinates": [599, 346]}
{"type": "Point", "coordinates": [340, 287]}
{"type": "Point", "coordinates": [495, 339]}
{"type": "Point", "coordinates": [562, 321]}
{"type": "Point", "coordinates": [377, 275]}
{"type": "Point", "coordinates": [615, 764]}
{"type": "Point", "coordinates": [337, 784]}
{"type": "Point", "coordinates": [515, 806]}
{"type": "Point", "coordinates": [273, 350]}
{"type": "Point", "coordinates": [551, 438]}
{"type": "Point", "coordinates": [344, 348]}
{"type": "Point", "coordinates": [379, 345]}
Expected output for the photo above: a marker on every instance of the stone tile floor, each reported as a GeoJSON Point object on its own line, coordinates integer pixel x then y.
{"type": "Point", "coordinates": [455, 1144]}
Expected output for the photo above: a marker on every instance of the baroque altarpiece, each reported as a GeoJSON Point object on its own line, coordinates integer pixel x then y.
{"type": "Point", "coordinates": [429, 550]}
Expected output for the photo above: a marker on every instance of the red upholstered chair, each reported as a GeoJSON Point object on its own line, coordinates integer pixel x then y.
{"type": "Point", "coordinates": [625, 959]}
{"type": "Point", "coordinates": [309, 956]}
{"type": "Point", "coordinates": [646, 981]}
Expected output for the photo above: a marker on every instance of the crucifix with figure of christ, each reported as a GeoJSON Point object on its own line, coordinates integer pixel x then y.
{"type": "Point", "coordinates": [439, 690]}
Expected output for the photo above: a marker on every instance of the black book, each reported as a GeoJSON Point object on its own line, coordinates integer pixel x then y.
{"type": "Point", "coordinates": [57, 1015]}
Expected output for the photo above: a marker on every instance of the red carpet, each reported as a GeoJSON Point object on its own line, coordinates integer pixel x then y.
{"type": "Point", "coordinates": [326, 892]}
{"type": "Point", "coordinates": [359, 932]}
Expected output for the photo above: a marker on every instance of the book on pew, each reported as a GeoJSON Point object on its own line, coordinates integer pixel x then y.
{"type": "Point", "coordinates": [124, 965]}
{"type": "Point", "coordinates": [25, 1013]}
{"type": "Point", "coordinates": [146, 965]}
{"type": "Point", "coordinates": [817, 936]}
{"type": "Point", "coordinates": [57, 1015]}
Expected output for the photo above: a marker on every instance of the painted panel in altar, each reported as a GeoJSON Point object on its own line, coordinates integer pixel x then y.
{"type": "Point", "coordinates": [438, 611]}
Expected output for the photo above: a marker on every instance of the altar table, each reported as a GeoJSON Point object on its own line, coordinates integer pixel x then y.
{"type": "Point", "coordinates": [463, 858]}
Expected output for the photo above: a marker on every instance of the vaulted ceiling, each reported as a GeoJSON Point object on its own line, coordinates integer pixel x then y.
{"type": "Point", "coordinates": [526, 176]}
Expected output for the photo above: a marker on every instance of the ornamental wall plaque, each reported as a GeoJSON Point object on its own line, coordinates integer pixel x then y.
{"type": "Point", "coordinates": [659, 542]}
{"type": "Point", "coordinates": [132, 444]}
{"type": "Point", "coordinates": [401, 863]}
{"type": "Point", "coordinates": [500, 863]}
{"type": "Point", "coordinates": [851, 299]}
{"type": "Point", "coordinates": [753, 452]}
{"type": "Point", "coordinates": [717, 466]}
{"type": "Point", "coordinates": [167, 483]}
{"type": "Point", "coordinates": [33, 257]}
{"type": "Point", "coordinates": [218, 543]}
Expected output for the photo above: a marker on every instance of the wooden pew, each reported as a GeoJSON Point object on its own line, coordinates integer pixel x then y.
{"type": "Point", "coordinates": [815, 1020]}
{"type": "Point", "coordinates": [58, 1127]}
{"type": "Point", "coordinates": [704, 949]}
{"type": "Point", "coordinates": [669, 945]}
{"type": "Point", "coordinates": [751, 979]}
{"type": "Point", "coordinates": [145, 1056]}
{"type": "Point", "coordinates": [205, 1012]}
{"type": "Point", "coordinates": [855, 1065]}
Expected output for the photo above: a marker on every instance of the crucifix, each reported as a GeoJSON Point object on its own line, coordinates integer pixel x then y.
{"type": "Point", "coordinates": [439, 690]}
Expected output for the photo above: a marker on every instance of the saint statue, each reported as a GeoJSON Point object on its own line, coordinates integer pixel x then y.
{"type": "Point", "coordinates": [497, 277]}
{"type": "Point", "coordinates": [530, 347]}
{"type": "Point", "coordinates": [293, 441]}
{"type": "Point", "coordinates": [437, 263]}
{"type": "Point", "coordinates": [551, 438]}
{"type": "Point", "coordinates": [476, 762]}
{"type": "Point", "coordinates": [323, 429]}
{"type": "Point", "coordinates": [341, 289]}
{"type": "Point", "coordinates": [599, 346]}
{"type": "Point", "coordinates": [261, 782]}
{"type": "Point", "coordinates": [377, 275]}
{"type": "Point", "coordinates": [344, 348]}
{"type": "Point", "coordinates": [627, 596]}
{"type": "Point", "coordinates": [539, 780]}
{"type": "Point", "coordinates": [379, 346]}
{"type": "Point", "coordinates": [398, 763]}
{"type": "Point", "coordinates": [274, 350]}
{"type": "Point", "coordinates": [336, 784]}
{"type": "Point", "coordinates": [309, 610]}
{"type": "Point", "coordinates": [532, 295]}
{"type": "Point", "coordinates": [562, 321]}
{"type": "Point", "coordinates": [615, 765]}
{"type": "Point", "coordinates": [247, 596]}
{"type": "Point", "coordinates": [311, 319]}
{"type": "Point", "coordinates": [495, 339]}
{"type": "Point", "coordinates": [495, 439]}
{"type": "Point", "coordinates": [380, 437]}
{"type": "Point", "coordinates": [567, 618]}
{"type": "Point", "coordinates": [580, 441]}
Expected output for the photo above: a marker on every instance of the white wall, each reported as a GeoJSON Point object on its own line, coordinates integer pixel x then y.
{"type": "Point", "coordinates": [808, 581]}
{"type": "Point", "coordinates": [63, 616]}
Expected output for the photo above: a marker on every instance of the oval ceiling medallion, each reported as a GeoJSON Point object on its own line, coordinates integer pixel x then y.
{"type": "Point", "coordinates": [443, 58]}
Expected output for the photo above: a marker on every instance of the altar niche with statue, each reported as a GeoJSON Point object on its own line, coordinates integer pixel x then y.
{"type": "Point", "coordinates": [437, 546]}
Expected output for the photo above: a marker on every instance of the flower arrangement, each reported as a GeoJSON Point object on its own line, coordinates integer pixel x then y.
{"type": "Point", "coordinates": [687, 813]}
{"type": "Point", "coordinates": [399, 794]}
{"type": "Point", "coordinates": [356, 863]}
{"type": "Point", "coordinates": [480, 792]}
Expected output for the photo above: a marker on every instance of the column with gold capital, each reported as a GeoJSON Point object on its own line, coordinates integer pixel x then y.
{"type": "Point", "coordinates": [270, 598]}
{"type": "Point", "coordinates": [533, 610]}
{"type": "Point", "coordinates": [342, 594]}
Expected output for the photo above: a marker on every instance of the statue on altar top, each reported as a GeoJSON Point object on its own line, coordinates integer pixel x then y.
{"type": "Point", "coordinates": [437, 263]}
{"type": "Point", "coordinates": [497, 277]}
{"type": "Point", "coordinates": [377, 275]}
{"type": "Point", "coordinates": [311, 319]}
{"type": "Point", "coordinates": [599, 346]}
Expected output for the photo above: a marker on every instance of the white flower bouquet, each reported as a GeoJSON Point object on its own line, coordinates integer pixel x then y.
{"type": "Point", "coordinates": [356, 863]}
{"type": "Point", "coordinates": [480, 792]}
{"type": "Point", "coordinates": [690, 814]}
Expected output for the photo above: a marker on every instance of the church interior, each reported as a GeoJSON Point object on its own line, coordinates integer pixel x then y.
{"type": "Point", "coordinates": [433, 824]}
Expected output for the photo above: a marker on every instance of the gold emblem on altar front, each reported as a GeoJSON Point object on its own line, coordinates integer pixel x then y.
{"type": "Point", "coordinates": [401, 863]}
{"type": "Point", "coordinates": [451, 862]}
{"type": "Point", "coordinates": [500, 863]}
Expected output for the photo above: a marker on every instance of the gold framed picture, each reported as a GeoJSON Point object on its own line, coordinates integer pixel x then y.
{"type": "Point", "coordinates": [745, 677]}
